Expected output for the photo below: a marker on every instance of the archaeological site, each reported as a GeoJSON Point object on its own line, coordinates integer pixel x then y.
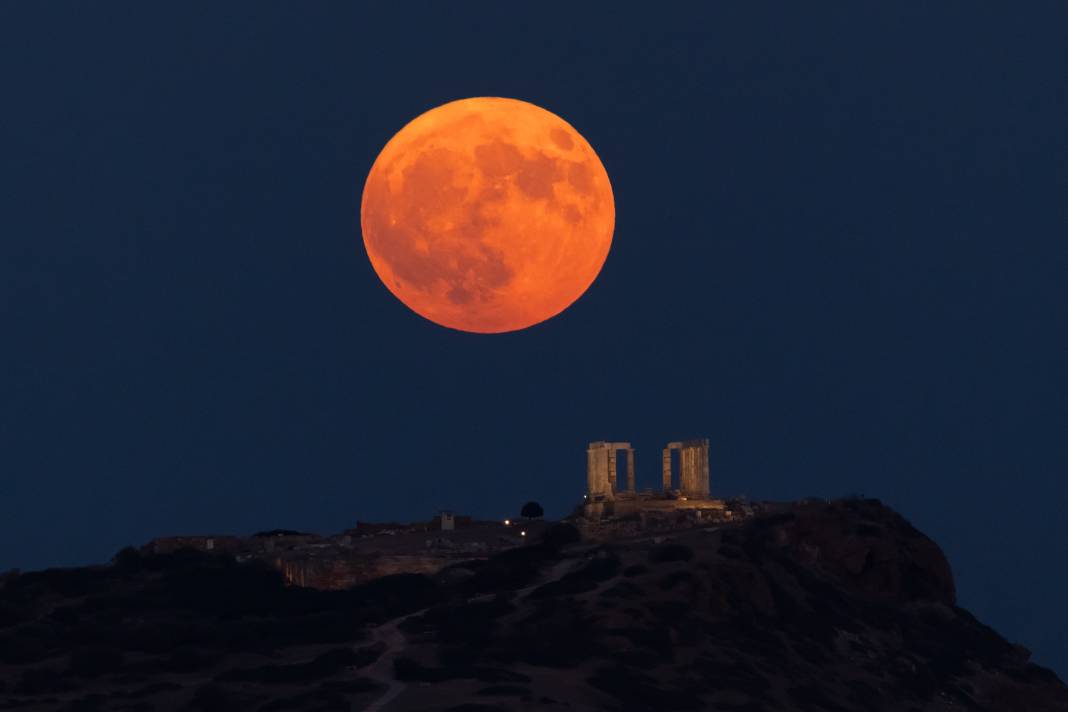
{"type": "Point", "coordinates": [610, 509]}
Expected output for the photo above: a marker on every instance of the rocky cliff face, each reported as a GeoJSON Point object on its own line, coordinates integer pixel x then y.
{"type": "Point", "coordinates": [866, 546]}
{"type": "Point", "coordinates": [337, 573]}
{"type": "Point", "coordinates": [839, 606]}
{"type": "Point", "coordinates": [825, 606]}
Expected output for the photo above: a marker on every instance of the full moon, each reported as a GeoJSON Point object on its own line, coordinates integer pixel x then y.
{"type": "Point", "coordinates": [487, 215]}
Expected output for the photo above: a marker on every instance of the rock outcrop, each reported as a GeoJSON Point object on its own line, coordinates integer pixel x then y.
{"type": "Point", "coordinates": [818, 606]}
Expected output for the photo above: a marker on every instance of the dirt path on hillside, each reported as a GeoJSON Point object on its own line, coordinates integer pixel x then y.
{"type": "Point", "coordinates": [381, 670]}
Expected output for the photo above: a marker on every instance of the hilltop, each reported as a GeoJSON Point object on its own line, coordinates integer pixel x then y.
{"type": "Point", "coordinates": [831, 606]}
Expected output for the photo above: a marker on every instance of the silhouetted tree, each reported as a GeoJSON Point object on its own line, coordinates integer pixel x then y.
{"type": "Point", "coordinates": [532, 510]}
{"type": "Point", "coordinates": [127, 559]}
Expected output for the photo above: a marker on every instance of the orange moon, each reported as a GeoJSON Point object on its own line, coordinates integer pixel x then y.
{"type": "Point", "coordinates": [487, 215]}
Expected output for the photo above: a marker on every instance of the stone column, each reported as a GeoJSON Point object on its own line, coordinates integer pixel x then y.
{"type": "Point", "coordinates": [597, 471]}
{"type": "Point", "coordinates": [631, 484]}
{"type": "Point", "coordinates": [706, 478]}
{"type": "Point", "coordinates": [667, 470]}
{"type": "Point", "coordinates": [693, 468]}
{"type": "Point", "coordinates": [593, 479]}
{"type": "Point", "coordinates": [686, 474]}
{"type": "Point", "coordinates": [612, 468]}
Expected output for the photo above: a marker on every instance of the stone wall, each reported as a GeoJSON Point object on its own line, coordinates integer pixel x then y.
{"type": "Point", "coordinates": [171, 544]}
{"type": "Point", "coordinates": [343, 570]}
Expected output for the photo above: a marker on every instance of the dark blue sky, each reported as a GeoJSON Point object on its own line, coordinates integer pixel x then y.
{"type": "Point", "coordinates": [840, 253]}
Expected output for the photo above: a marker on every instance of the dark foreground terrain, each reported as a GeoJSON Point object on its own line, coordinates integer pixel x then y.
{"type": "Point", "coordinates": [839, 606]}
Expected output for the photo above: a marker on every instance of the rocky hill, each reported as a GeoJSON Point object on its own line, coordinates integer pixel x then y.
{"type": "Point", "coordinates": [822, 606]}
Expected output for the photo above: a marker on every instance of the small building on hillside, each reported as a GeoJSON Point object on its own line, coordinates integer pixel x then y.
{"type": "Point", "coordinates": [447, 521]}
{"type": "Point", "coordinates": [170, 544]}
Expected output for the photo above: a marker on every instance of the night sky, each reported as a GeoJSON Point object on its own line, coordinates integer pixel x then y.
{"type": "Point", "coordinates": [840, 254]}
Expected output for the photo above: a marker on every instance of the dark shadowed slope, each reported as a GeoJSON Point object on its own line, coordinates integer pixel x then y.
{"type": "Point", "coordinates": [839, 606]}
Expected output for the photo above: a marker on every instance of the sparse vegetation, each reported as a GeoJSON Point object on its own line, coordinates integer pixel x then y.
{"type": "Point", "coordinates": [670, 552]}
{"type": "Point", "coordinates": [324, 665]}
{"type": "Point", "coordinates": [95, 661]}
{"type": "Point", "coordinates": [638, 690]}
{"type": "Point", "coordinates": [560, 535]}
{"type": "Point", "coordinates": [721, 617]}
{"type": "Point", "coordinates": [585, 579]}
{"type": "Point", "coordinates": [511, 569]}
{"type": "Point", "coordinates": [532, 510]}
{"type": "Point", "coordinates": [675, 578]}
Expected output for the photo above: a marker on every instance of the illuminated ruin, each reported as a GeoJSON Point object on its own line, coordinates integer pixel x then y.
{"type": "Point", "coordinates": [684, 480]}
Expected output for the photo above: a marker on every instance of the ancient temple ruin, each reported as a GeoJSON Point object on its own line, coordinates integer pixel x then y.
{"type": "Point", "coordinates": [693, 468]}
{"type": "Point", "coordinates": [685, 480]}
{"type": "Point", "coordinates": [601, 460]}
